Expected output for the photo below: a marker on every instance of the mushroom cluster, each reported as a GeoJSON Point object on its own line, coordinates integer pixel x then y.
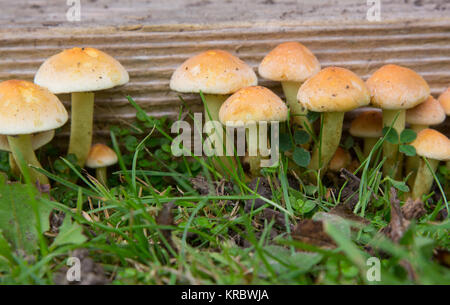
{"type": "Point", "coordinates": [399, 98]}
{"type": "Point", "coordinates": [30, 112]}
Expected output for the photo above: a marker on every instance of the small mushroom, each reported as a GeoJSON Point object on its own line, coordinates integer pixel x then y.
{"type": "Point", "coordinates": [434, 146]}
{"type": "Point", "coordinates": [420, 117]}
{"type": "Point", "coordinates": [100, 157]}
{"type": "Point", "coordinates": [250, 106]}
{"type": "Point", "coordinates": [81, 71]}
{"type": "Point", "coordinates": [291, 63]}
{"type": "Point", "coordinates": [217, 74]}
{"type": "Point", "coordinates": [369, 126]}
{"type": "Point", "coordinates": [25, 109]}
{"type": "Point", "coordinates": [425, 114]}
{"type": "Point", "coordinates": [37, 141]}
{"type": "Point", "coordinates": [332, 91]}
{"type": "Point", "coordinates": [341, 159]}
{"type": "Point", "coordinates": [444, 99]}
{"type": "Point", "coordinates": [394, 89]}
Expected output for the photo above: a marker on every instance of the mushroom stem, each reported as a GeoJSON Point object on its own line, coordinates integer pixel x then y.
{"type": "Point", "coordinates": [417, 128]}
{"type": "Point", "coordinates": [254, 161]}
{"type": "Point", "coordinates": [82, 116]}
{"type": "Point", "coordinates": [214, 102]}
{"type": "Point", "coordinates": [13, 165]}
{"type": "Point", "coordinates": [102, 176]}
{"type": "Point", "coordinates": [369, 144]}
{"type": "Point", "coordinates": [331, 136]}
{"type": "Point", "coordinates": [21, 148]}
{"type": "Point", "coordinates": [396, 119]}
{"type": "Point", "coordinates": [298, 113]}
{"type": "Point", "coordinates": [412, 163]}
{"type": "Point", "coordinates": [424, 178]}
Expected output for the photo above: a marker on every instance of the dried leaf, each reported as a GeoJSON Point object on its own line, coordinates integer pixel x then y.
{"type": "Point", "coordinates": [313, 232]}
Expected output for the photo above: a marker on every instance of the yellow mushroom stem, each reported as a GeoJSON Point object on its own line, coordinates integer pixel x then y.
{"type": "Point", "coordinates": [297, 112]}
{"type": "Point", "coordinates": [325, 148]}
{"type": "Point", "coordinates": [424, 178]}
{"type": "Point", "coordinates": [417, 127]}
{"type": "Point", "coordinates": [412, 163]}
{"type": "Point", "coordinates": [252, 145]}
{"type": "Point", "coordinates": [21, 148]}
{"type": "Point", "coordinates": [15, 170]}
{"type": "Point", "coordinates": [213, 102]}
{"type": "Point", "coordinates": [102, 175]}
{"type": "Point", "coordinates": [82, 117]}
{"type": "Point", "coordinates": [396, 119]}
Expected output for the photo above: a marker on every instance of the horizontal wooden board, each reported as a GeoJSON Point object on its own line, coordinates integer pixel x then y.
{"type": "Point", "coordinates": [152, 48]}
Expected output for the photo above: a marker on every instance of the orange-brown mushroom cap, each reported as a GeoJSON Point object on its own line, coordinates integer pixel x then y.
{"type": "Point", "coordinates": [368, 124]}
{"type": "Point", "coordinates": [27, 108]}
{"type": "Point", "coordinates": [396, 87]}
{"type": "Point", "coordinates": [429, 112]}
{"type": "Point", "coordinates": [213, 72]}
{"type": "Point", "coordinates": [289, 61]}
{"type": "Point", "coordinates": [432, 144]}
{"type": "Point", "coordinates": [333, 89]}
{"type": "Point", "coordinates": [444, 99]}
{"type": "Point", "coordinates": [80, 70]}
{"type": "Point", "coordinates": [252, 104]}
{"type": "Point", "coordinates": [101, 155]}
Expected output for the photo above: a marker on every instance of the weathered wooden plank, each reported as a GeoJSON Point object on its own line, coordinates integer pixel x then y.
{"type": "Point", "coordinates": [46, 13]}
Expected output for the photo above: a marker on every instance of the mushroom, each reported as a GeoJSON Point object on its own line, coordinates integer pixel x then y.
{"type": "Point", "coordinates": [37, 141]}
{"type": "Point", "coordinates": [100, 157]}
{"type": "Point", "coordinates": [367, 125]}
{"type": "Point", "coordinates": [425, 114]}
{"type": "Point", "coordinates": [395, 89]}
{"type": "Point", "coordinates": [332, 91]}
{"type": "Point", "coordinates": [444, 99]}
{"type": "Point", "coordinates": [341, 159]}
{"type": "Point", "coordinates": [420, 117]}
{"type": "Point", "coordinates": [217, 74]}
{"type": "Point", "coordinates": [25, 109]}
{"type": "Point", "coordinates": [250, 106]}
{"type": "Point", "coordinates": [435, 146]}
{"type": "Point", "coordinates": [81, 71]}
{"type": "Point", "coordinates": [291, 63]}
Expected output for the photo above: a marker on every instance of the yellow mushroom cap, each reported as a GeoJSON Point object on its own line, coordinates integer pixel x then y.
{"type": "Point", "coordinates": [432, 144]}
{"type": "Point", "coordinates": [252, 104]}
{"type": "Point", "coordinates": [37, 140]}
{"type": "Point", "coordinates": [26, 108]}
{"type": "Point", "coordinates": [213, 72]}
{"type": "Point", "coordinates": [396, 87]}
{"type": "Point", "coordinates": [333, 89]}
{"type": "Point", "coordinates": [289, 61]}
{"type": "Point", "coordinates": [341, 159]}
{"type": "Point", "coordinates": [444, 99]}
{"type": "Point", "coordinates": [80, 70]}
{"type": "Point", "coordinates": [368, 124]}
{"type": "Point", "coordinates": [429, 112]}
{"type": "Point", "coordinates": [101, 155]}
